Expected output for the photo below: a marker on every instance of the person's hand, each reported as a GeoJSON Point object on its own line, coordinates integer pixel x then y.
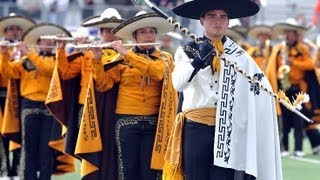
{"type": "Point", "coordinates": [118, 46]}
{"type": "Point", "coordinates": [61, 44]}
{"type": "Point", "coordinates": [80, 40]}
{"type": "Point", "coordinates": [97, 51]}
{"type": "Point", "coordinates": [206, 52]}
{"type": "Point", "coordinates": [4, 46]}
{"type": "Point", "coordinates": [23, 48]}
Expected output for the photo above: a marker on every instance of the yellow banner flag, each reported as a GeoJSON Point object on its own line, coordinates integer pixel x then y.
{"type": "Point", "coordinates": [55, 92]}
{"type": "Point", "coordinates": [89, 139]}
{"type": "Point", "coordinates": [11, 122]}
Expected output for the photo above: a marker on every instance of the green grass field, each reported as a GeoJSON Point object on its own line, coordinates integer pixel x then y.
{"type": "Point", "coordinates": [306, 168]}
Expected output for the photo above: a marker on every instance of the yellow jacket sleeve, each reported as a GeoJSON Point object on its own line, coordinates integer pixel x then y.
{"type": "Point", "coordinates": [9, 70]}
{"type": "Point", "coordinates": [104, 80]}
{"type": "Point", "coordinates": [68, 69]}
{"type": "Point", "coordinates": [304, 60]}
{"type": "Point", "coordinates": [44, 64]}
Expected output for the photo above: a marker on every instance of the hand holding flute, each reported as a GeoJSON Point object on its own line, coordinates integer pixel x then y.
{"type": "Point", "coordinates": [60, 41]}
{"type": "Point", "coordinates": [20, 48]}
{"type": "Point", "coordinates": [97, 51]}
{"type": "Point", "coordinates": [4, 46]}
{"type": "Point", "coordinates": [116, 45]}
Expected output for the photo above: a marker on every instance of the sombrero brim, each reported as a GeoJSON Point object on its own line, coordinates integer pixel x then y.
{"type": "Point", "coordinates": [95, 21]}
{"type": "Point", "coordinates": [234, 35]}
{"type": "Point", "coordinates": [32, 35]}
{"type": "Point", "coordinates": [125, 29]}
{"type": "Point", "coordinates": [241, 29]}
{"type": "Point", "coordinates": [174, 35]}
{"type": "Point", "coordinates": [234, 8]}
{"type": "Point", "coordinates": [281, 27]}
{"type": "Point", "coordinates": [255, 30]}
{"type": "Point", "coordinates": [23, 22]}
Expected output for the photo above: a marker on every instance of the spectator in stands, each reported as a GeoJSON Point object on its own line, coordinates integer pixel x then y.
{"type": "Point", "coordinates": [57, 10]}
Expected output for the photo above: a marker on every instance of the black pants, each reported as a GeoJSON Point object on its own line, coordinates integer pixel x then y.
{"type": "Point", "coordinates": [314, 137]}
{"type": "Point", "coordinates": [291, 120]}
{"type": "Point", "coordinates": [72, 131]}
{"type": "Point", "coordinates": [7, 168]}
{"type": "Point", "coordinates": [36, 154]}
{"type": "Point", "coordinates": [198, 140]}
{"type": "Point", "coordinates": [134, 138]}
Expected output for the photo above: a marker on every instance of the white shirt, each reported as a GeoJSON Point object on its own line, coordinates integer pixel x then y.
{"type": "Point", "coordinates": [202, 90]}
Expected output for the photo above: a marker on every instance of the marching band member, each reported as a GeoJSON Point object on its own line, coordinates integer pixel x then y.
{"type": "Point", "coordinates": [34, 70]}
{"type": "Point", "coordinates": [78, 65]}
{"type": "Point", "coordinates": [11, 29]}
{"type": "Point", "coordinates": [290, 69]}
{"type": "Point", "coordinates": [262, 51]}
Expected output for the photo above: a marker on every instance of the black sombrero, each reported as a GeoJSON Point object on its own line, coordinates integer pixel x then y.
{"type": "Point", "coordinates": [141, 20]}
{"type": "Point", "coordinates": [109, 18]}
{"type": "Point", "coordinates": [32, 35]}
{"type": "Point", "coordinates": [15, 20]}
{"type": "Point", "coordinates": [234, 8]}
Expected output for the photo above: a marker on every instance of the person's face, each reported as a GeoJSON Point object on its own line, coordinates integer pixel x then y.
{"type": "Point", "coordinates": [107, 35]}
{"type": "Point", "coordinates": [291, 37]}
{"type": "Point", "coordinates": [215, 23]}
{"type": "Point", "coordinates": [263, 37]}
{"type": "Point", "coordinates": [46, 42]}
{"type": "Point", "coordinates": [13, 32]}
{"type": "Point", "coordinates": [146, 35]}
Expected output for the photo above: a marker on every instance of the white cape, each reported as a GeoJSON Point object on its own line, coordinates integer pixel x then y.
{"type": "Point", "coordinates": [246, 136]}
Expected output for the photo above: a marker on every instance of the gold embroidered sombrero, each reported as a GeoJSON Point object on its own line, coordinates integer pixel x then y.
{"type": "Point", "coordinates": [32, 35]}
{"type": "Point", "coordinates": [234, 8]}
{"type": "Point", "coordinates": [241, 29]}
{"type": "Point", "coordinates": [141, 20]}
{"type": "Point", "coordinates": [254, 31]}
{"type": "Point", "coordinates": [15, 20]}
{"type": "Point", "coordinates": [234, 35]}
{"type": "Point", "coordinates": [109, 18]}
{"type": "Point", "coordinates": [290, 25]}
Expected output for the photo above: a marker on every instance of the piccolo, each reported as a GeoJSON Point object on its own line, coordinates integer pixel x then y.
{"type": "Point", "coordinates": [104, 45]}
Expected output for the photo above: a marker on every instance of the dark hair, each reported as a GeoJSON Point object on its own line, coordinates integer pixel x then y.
{"type": "Point", "coordinates": [204, 13]}
{"type": "Point", "coordinates": [134, 33]}
{"type": "Point", "coordinates": [6, 28]}
{"type": "Point", "coordinates": [102, 28]}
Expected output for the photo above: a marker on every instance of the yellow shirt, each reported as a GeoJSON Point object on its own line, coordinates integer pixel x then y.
{"type": "Point", "coordinates": [3, 79]}
{"type": "Point", "coordinates": [140, 82]}
{"type": "Point", "coordinates": [301, 61]}
{"type": "Point", "coordinates": [79, 66]}
{"type": "Point", "coordinates": [260, 56]}
{"type": "Point", "coordinates": [34, 84]}
{"type": "Point", "coordinates": [3, 82]}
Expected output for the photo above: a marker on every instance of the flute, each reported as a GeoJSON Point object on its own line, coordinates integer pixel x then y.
{"type": "Point", "coordinates": [81, 46]}
{"type": "Point", "coordinates": [53, 37]}
{"type": "Point", "coordinates": [30, 46]}
{"type": "Point", "coordinates": [265, 54]}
